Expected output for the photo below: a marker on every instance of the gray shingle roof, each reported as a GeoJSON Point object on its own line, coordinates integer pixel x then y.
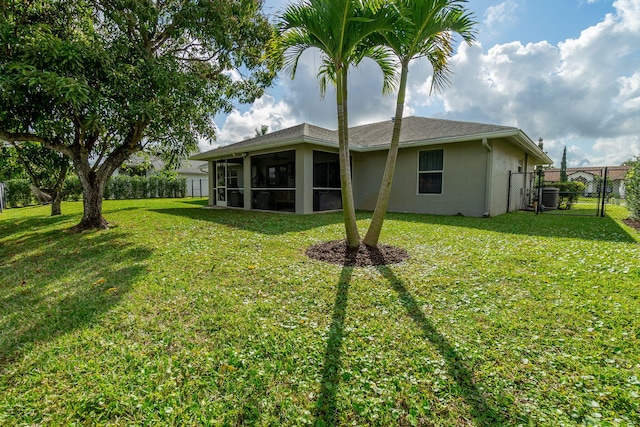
{"type": "Point", "coordinates": [370, 136]}
{"type": "Point", "coordinates": [614, 172]}
{"type": "Point", "coordinates": [416, 129]}
{"type": "Point", "coordinates": [299, 133]}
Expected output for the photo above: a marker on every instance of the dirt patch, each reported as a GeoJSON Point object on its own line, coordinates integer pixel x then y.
{"type": "Point", "coordinates": [337, 252]}
{"type": "Point", "coordinates": [633, 223]}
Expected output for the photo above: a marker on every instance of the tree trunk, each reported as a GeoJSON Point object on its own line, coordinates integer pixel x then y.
{"type": "Point", "coordinates": [56, 201]}
{"type": "Point", "coordinates": [42, 197]}
{"type": "Point", "coordinates": [375, 228]}
{"type": "Point", "coordinates": [348, 205]}
{"type": "Point", "coordinates": [56, 193]}
{"type": "Point", "coordinates": [92, 193]}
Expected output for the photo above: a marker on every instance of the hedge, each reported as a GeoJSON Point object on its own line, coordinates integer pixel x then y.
{"type": "Point", "coordinates": [18, 193]}
{"type": "Point", "coordinates": [139, 187]}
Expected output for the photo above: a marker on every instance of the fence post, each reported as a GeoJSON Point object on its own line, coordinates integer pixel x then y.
{"type": "Point", "coordinates": [1, 197]}
{"type": "Point", "coordinates": [540, 180]}
{"type": "Point", "coordinates": [604, 190]}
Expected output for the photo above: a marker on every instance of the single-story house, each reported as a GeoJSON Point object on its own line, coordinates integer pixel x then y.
{"type": "Point", "coordinates": [444, 167]}
{"type": "Point", "coordinates": [592, 176]}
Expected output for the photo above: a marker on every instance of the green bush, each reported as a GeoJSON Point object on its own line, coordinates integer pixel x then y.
{"type": "Point", "coordinates": [153, 186]}
{"type": "Point", "coordinates": [632, 189]}
{"type": "Point", "coordinates": [18, 192]}
{"type": "Point", "coordinates": [139, 187]}
{"type": "Point", "coordinates": [72, 189]}
{"type": "Point", "coordinates": [121, 186]}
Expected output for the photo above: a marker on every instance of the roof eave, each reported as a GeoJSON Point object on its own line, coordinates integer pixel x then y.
{"type": "Point", "coordinates": [227, 151]}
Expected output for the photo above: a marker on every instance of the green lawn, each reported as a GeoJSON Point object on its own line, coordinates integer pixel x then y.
{"type": "Point", "coordinates": [179, 315]}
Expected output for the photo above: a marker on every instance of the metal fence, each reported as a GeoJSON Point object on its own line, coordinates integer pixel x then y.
{"type": "Point", "coordinates": [197, 188]}
{"type": "Point", "coordinates": [590, 201]}
{"type": "Point", "coordinates": [532, 191]}
{"type": "Point", "coordinates": [521, 191]}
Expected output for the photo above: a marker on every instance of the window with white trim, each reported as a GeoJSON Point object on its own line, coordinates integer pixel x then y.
{"type": "Point", "coordinates": [430, 168]}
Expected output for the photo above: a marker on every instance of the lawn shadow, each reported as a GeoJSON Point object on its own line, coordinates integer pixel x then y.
{"type": "Point", "coordinates": [272, 223]}
{"type": "Point", "coordinates": [530, 224]}
{"type": "Point", "coordinates": [55, 282]}
{"type": "Point", "coordinates": [8, 226]}
{"type": "Point", "coordinates": [326, 411]}
{"type": "Point", "coordinates": [483, 411]}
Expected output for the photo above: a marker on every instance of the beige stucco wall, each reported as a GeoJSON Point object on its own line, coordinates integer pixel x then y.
{"type": "Point", "coordinates": [504, 159]}
{"type": "Point", "coordinates": [463, 181]}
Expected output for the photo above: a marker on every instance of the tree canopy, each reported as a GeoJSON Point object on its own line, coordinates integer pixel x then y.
{"type": "Point", "coordinates": [98, 80]}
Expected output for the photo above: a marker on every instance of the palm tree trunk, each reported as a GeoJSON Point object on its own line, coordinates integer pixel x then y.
{"type": "Point", "coordinates": [348, 205]}
{"type": "Point", "coordinates": [375, 228]}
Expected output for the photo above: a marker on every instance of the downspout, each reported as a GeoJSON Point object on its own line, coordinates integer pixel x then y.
{"type": "Point", "coordinates": [487, 185]}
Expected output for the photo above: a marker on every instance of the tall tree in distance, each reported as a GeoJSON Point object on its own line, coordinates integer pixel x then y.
{"type": "Point", "coordinates": [563, 166]}
{"type": "Point", "coordinates": [338, 28]}
{"type": "Point", "coordinates": [99, 80]}
{"type": "Point", "coordinates": [425, 30]}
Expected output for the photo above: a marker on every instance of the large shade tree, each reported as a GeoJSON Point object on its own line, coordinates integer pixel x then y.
{"type": "Point", "coordinates": [338, 29]}
{"type": "Point", "coordinates": [425, 29]}
{"type": "Point", "coordinates": [98, 80]}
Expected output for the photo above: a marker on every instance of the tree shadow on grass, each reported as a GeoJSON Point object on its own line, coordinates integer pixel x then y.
{"type": "Point", "coordinates": [55, 282]}
{"type": "Point", "coordinates": [482, 410]}
{"type": "Point", "coordinates": [326, 411]}
{"type": "Point", "coordinates": [528, 224]}
{"type": "Point", "coordinates": [272, 223]}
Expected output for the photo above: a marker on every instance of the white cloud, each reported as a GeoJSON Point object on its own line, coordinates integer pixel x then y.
{"type": "Point", "coordinates": [584, 89]}
{"type": "Point", "coordinates": [500, 14]}
{"type": "Point", "coordinates": [264, 111]}
{"type": "Point", "coordinates": [583, 92]}
{"type": "Point", "coordinates": [302, 103]}
{"type": "Point", "coordinates": [366, 103]}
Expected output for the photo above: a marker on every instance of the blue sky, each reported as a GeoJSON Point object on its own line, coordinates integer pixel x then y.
{"type": "Point", "coordinates": [564, 70]}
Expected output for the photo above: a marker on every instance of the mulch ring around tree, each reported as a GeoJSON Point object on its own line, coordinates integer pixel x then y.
{"type": "Point", "coordinates": [337, 252]}
{"type": "Point", "coordinates": [634, 223]}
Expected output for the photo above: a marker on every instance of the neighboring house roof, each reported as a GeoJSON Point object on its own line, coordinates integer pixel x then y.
{"type": "Point", "coordinates": [193, 167]}
{"type": "Point", "coordinates": [142, 158]}
{"type": "Point", "coordinates": [614, 173]}
{"type": "Point", "coordinates": [416, 131]}
{"type": "Point", "coordinates": [156, 164]}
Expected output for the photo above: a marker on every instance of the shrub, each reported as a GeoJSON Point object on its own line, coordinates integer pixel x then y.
{"type": "Point", "coordinates": [632, 189]}
{"type": "Point", "coordinates": [138, 187]}
{"type": "Point", "coordinates": [121, 186]}
{"type": "Point", "coordinates": [18, 192]}
{"type": "Point", "coordinates": [72, 189]}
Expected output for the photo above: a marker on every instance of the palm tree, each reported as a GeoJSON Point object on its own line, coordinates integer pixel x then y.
{"type": "Point", "coordinates": [426, 29]}
{"type": "Point", "coordinates": [338, 29]}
